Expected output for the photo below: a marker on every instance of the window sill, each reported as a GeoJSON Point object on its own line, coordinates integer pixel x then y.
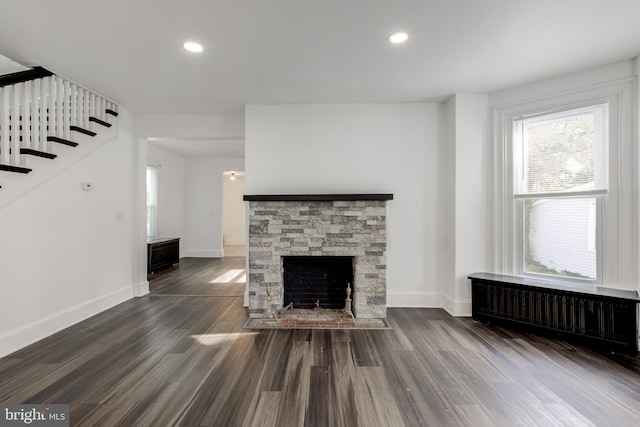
{"type": "Point", "coordinates": [558, 286]}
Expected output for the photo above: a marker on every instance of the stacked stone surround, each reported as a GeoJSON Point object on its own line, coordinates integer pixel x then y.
{"type": "Point", "coordinates": [354, 228]}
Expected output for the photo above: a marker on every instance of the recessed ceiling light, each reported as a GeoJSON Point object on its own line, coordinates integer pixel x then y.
{"type": "Point", "coordinates": [397, 38]}
{"type": "Point", "coordinates": [193, 47]}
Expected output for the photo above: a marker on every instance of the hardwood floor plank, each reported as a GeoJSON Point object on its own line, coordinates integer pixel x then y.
{"type": "Point", "coordinates": [474, 415]}
{"type": "Point", "coordinates": [222, 396]}
{"type": "Point", "coordinates": [295, 392]}
{"type": "Point", "coordinates": [365, 347]}
{"type": "Point", "coordinates": [80, 411]}
{"type": "Point", "coordinates": [153, 411]}
{"type": "Point", "coordinates": [321, 347]}
{"type": "Point", "coordinates": [266, 410]}
{"type": "Point", "coordinates": [375, 399]}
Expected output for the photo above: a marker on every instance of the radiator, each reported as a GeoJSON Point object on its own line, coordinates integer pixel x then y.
{"type": "Point", "coordinates": [600, 317]}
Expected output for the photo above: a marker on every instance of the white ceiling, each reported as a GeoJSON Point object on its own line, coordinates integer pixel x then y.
{"type": "Point", "coordinates": [305, 51]}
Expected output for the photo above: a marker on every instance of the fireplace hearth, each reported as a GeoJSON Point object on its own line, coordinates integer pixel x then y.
{"type": "Point", "coordinates": [313, 229]}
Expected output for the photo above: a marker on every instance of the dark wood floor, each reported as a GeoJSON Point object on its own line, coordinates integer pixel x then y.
{"type": "Point", "coordinates": [168, 360]}
{"type": "Point", "coordinates": [220, 277]}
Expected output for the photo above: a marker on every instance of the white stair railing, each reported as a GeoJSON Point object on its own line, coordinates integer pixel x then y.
{"type": "Point", "coordinates": [33, 111]}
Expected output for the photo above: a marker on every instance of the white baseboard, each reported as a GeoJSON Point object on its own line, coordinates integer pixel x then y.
{"type": "Point", "coordinates": [141, 289]}
{"type": "Point", "coordinates": [457, 308]}
{"type": "Point", "coordinates": [203, 254]}
{"type": "Point", "coordinates": [414, 299]}
{"type": "Point", "coordinates": [26, 335]}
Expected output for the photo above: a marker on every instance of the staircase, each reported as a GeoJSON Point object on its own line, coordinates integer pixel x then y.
{"type": "Point", "coordinates": [41, 116]}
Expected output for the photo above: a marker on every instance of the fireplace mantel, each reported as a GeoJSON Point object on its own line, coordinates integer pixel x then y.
{"type": "Point", "coordinates": [314, 197]}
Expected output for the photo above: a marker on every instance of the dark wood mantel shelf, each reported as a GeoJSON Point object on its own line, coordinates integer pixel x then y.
{"type": "Point", "coordinates": [313, 197]}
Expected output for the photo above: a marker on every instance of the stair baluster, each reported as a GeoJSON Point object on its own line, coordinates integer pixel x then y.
{"type": "Point", "coordinates": [5, 93]}
{"type": "Point", "coordinates": [14, 143]}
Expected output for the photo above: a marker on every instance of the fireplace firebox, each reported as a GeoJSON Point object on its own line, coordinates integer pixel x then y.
{"type": "Point", "coordinates": [316, 281]}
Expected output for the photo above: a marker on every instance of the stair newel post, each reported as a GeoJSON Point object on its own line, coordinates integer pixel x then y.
{"type": "Point", "coordinates": [14, 155]}
{"type": "Point", "coordinates": [4, 124]}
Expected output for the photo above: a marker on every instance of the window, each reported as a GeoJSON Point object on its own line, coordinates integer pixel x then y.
{"type": "Point", "coordinates": [152, 200]}
{"type": "Point", "coordinates": [586, 173]}
{"type": "Point", "coordinates": [560, 170]}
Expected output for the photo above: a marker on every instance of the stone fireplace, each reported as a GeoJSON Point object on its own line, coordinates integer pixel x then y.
{"type": "Point", "coordinates": [342, 225]}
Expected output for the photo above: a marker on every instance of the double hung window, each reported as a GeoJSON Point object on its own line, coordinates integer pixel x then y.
{"type": "Point", "coordinates": [560, 171]}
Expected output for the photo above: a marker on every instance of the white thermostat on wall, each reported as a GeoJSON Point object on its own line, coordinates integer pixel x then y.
{"type": "Point", "coordinates": [87, 186]}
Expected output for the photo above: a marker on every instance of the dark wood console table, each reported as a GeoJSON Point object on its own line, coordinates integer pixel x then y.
{"type": "Point", "coordinates": [162, 252]}
{"type": "Point", "coordinates": [601, 317]}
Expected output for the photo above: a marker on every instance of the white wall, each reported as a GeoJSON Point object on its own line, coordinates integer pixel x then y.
{"type": "Point", "coordinates": [66, 254]}
{"type": "Point", "coordinates": [636, 72]}
{"type": "Point", "coordinates": [234, 211]}
{"type": "Point", "coordinates": [447, 233]}
{"type": "Point", "coordinates": [170, 220]}
{"type": "Point", "coordinates": [467, 163]}
{"type": "Point", "coordinates": [203, 205]}
{"type": "Point", "coordinates": [362, 148]}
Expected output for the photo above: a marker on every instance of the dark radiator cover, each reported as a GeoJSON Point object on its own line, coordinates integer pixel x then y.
{"type": "Point", "coordinates": [600, 317]}
{"type": "Point", "coordinates": [162, 253]}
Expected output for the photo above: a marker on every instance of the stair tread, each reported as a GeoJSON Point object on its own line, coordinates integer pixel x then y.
{"type": "Point", "coordinates": [82, 130]}
{"type": "Point", "coordinates": [100, 122]}
{"type": "Point", "coordinates": [38, 153]}
{"type": "Point", "coordinates": [62, 141]}
{"type": "Point", "coordinates": [11, 168]}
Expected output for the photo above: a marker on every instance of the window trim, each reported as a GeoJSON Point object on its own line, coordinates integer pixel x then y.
{"type": "Point", "coordinates": [619, 256]}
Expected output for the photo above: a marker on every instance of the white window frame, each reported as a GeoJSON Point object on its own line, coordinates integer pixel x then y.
{"type": "Point", "coordinates": [519, 195]}
{"type": "Point", "coordinates": [619, 224]}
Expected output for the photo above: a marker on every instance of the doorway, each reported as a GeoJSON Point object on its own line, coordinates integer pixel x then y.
{"type": "Point", "coordinates": [233, 214]}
